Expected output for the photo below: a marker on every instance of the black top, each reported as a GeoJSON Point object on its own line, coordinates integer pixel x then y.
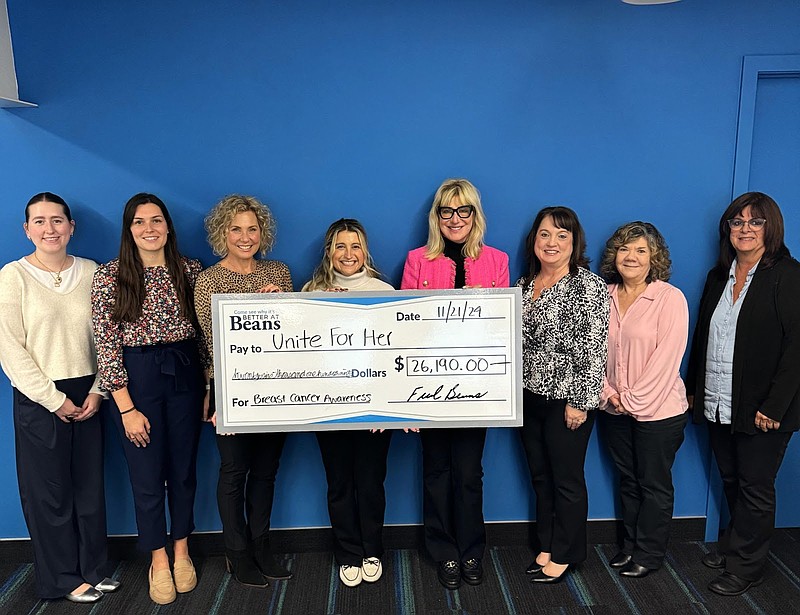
{"type": "Point", "coordinates": [452, 250]}
{"type": "Point", "coordinates": [766, 354]}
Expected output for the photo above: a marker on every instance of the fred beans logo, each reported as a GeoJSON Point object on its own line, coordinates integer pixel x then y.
{"type": "Point", "coordinates": [254, 320]}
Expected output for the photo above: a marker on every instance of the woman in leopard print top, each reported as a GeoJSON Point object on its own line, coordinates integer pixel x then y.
{"type": "Point", "coordinates": [238, 228]}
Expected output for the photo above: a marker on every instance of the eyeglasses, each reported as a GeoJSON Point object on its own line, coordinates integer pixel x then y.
{"type": "Point", "coordinates": [464, 212]}
{"type": "Point", "coordinates": [755, 224]}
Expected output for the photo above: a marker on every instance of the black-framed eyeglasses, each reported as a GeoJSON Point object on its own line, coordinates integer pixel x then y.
{"type": "Point", "coordinates": [464, 212]}
{"type": "Point", "coordinates": [754, 223]}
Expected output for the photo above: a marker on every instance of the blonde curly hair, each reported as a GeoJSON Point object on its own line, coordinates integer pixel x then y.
{"type": "Point", "coordinates": [219, 220]}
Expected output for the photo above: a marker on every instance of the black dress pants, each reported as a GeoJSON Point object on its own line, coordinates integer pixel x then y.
{"type": "Point", "coordinates": [643, 452]}
{"type": "Point", "coordinates": [355, 466]}
{"type": "Point", "coordinates": [556, 455]}
{"type": "Point", "coordinates": [748, 464]}
{"type": "Point", "coordinates": [452, 505]}
{"type": "Point", "coordinates": [60, 476]}
{"type": "Point", "coordinates": [248, 467]}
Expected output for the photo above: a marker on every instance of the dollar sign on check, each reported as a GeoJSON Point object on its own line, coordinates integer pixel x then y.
{"type": "Point", "coordinates": [398, 364]}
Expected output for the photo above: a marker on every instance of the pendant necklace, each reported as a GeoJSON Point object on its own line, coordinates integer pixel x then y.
{"type": "Point", "coordinates": [55, 275]}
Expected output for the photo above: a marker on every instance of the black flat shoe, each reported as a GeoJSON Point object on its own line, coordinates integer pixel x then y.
{"type": "Point", "coordinates": [541, 577]}
{"type": "Point", "coordinates": [633, 570]}
{"type": "Point", "coordinates": [533, 567]}
{"type": "Point", "coordinates": [449, 573]}
{"type": "Point", "coordinates": [620, 559]}
{"type": "Point", "coordinates": [714, 560]}
{"type": "Point", "coordinates": [472, 571]}
{"type": "Point", "coordinates": [728, 584]}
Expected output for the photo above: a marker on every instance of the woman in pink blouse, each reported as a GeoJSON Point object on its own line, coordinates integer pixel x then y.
{"type": "Point", "coordinates": [643, 394]}
{"type": "Point", "coordinates": [145, 330]}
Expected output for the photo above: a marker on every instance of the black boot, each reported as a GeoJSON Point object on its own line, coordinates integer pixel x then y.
{"type": "Point", "coordinates": [266, 563]}
{"type": "Point", "coordinates": [244, 569]}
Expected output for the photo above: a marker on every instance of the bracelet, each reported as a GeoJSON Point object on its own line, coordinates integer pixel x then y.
{"type": "Point", "coordinates": [208, 387]}
{"type": "Point", "coordinates": [126, 411]}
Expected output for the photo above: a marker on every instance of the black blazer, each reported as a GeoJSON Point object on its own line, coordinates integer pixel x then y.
{"type": "Point", "coordinates": [766, 354]}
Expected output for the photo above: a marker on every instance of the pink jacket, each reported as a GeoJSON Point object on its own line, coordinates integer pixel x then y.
{"type": "Point", "coordinates": [489, 270]}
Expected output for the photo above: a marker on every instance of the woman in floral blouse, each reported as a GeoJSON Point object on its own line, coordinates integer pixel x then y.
{"type": "Point", "coordinates": [564, 338]}
{"type": "Point", "coordinates": [148, 358]}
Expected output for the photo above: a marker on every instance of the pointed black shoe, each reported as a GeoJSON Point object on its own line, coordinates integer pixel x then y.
{"type": "Point", "coordinates": [243, 568]}
{"type": "Point", "coordinates": [449, 573]}
{"type": "Point", "coordinates": [728, 584]}
{"type": "Point", "coordinates": [633, 570]}
{"type": "Point", "coordinates": [472, 571]}
{"type": "Point", "coordinates": [714, 560]}
{"type": "Point", "coordinates": [620, 559]}
{"type": "Point", "coordinates": [541, 577]}
{"type": "Point", "coordinates": [533, 567]}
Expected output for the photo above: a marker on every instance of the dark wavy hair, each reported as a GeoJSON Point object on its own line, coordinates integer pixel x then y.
{"type": "Point", "coordinates": [660, 262]}
{"type": "Point", "coordinates": [130, 286]}
{"type": "Point", "coordinates": [47, 197]}
{"type": "Point", "coordinates": [761, 206]}
{"type": "Point", "coordinates": [565, 218]}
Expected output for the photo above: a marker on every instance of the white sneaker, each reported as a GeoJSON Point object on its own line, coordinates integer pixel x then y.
{"type": "Point", "coordinates": [350, 575]}
{"type": "Point", "coordinates": [371, 569]}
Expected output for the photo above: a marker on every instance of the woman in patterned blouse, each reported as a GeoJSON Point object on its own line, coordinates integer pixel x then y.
{"type": "Point", "coordinates": [239, 227]}
{"type": "Point", "coordinates": [147, 354]}
{"type": "Point", "coordinates": [564, 337]}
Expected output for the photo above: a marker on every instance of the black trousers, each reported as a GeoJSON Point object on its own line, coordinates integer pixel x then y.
{"type": "Point", "coordinates": [355, 466]}
{"type": "Point", "coordinates": [246, 486]}
{"type": "Point", "coordinates": [643, 452]}
{"type": "Point", "coordinates": [556, 455]}
{"type": "Point", "coordinates": [748, 465]}
{"type": "Point", "coordinates": [60, 476]}
{"type": "Point", "coordinates": [452, 503]}
{"type": "Point", "coordinates": [166, 385]}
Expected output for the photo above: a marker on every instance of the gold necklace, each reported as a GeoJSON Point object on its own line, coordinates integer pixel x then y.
{"type": "Point", "coordinates": [56, 275]}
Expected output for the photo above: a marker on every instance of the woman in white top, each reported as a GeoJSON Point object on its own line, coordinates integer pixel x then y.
{"type": "Point", "coordinates": [355, 461]}
{"type": "Point", "coordinates": [47, 352]}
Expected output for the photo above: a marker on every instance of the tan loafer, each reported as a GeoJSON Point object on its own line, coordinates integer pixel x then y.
{"type": "Point", "coordinates": [162, 589]}
{"type": "Point", "coordinates": [185, 576]}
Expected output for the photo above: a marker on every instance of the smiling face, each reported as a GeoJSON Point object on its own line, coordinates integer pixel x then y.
{"type": "Point", "coordinates": [48, 227]}
{"type": "Point", "coordinates": [747, 241]}
{"type": "Point", "coordinates": [243, 237]}
{"type": "Point", "coordinates": [633, 261]}
{"type": "Point", "coordinates": [348, 253]}
{"type": "Point", "coordinates": [149, 229]}
{"type": "Point", "coordinates": [456, 229]}
{"type": "Point", "coordinates": [553, 246]}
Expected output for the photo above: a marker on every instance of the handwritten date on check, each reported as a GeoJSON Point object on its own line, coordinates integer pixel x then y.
{"type": "Point", "coordinates": [327, 361]}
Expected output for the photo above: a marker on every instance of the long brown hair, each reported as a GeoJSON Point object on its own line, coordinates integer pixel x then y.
{"type": "Point", "coordinates": [130, 284]}
{"type": "Point", "coordinates": [563, 217]}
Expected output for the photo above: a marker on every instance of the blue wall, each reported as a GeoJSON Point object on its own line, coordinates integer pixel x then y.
{"type": "Point", "coordinates": [359, 108]}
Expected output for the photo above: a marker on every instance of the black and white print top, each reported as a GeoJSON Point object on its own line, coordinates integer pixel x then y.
{"type": "Point", "coordinates": [565, 339]}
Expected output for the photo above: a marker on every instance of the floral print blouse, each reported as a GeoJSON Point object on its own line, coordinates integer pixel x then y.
{"type": "Point", "coordinates": [159, 323]}
{"type": "Point", "coordinates": [565, 339]}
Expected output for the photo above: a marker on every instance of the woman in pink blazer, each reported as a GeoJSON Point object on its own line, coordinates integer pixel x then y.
{"type": "Point", "coordinates": [455, 257]}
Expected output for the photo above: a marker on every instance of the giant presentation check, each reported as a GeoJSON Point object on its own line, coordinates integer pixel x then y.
{"type": "Point", "coordinates": [319, 361]}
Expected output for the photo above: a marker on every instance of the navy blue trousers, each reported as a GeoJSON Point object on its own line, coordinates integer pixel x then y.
{"type": "Point", "coordinates": [60, 476]}
{"type": "Point", "coordinates": [355, 466]}
{"type": "Point", "coordinates": [166, 385]}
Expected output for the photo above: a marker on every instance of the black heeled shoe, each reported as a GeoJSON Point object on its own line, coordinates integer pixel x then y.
{"type": "Point", "coordinates": [533, 567]}
{"type": "Point", "coordinates": [541, 577]}
{"type": "Point", "coordinates": [243, 568]}
{"type": "Point", "coordinates": [265, 561]}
